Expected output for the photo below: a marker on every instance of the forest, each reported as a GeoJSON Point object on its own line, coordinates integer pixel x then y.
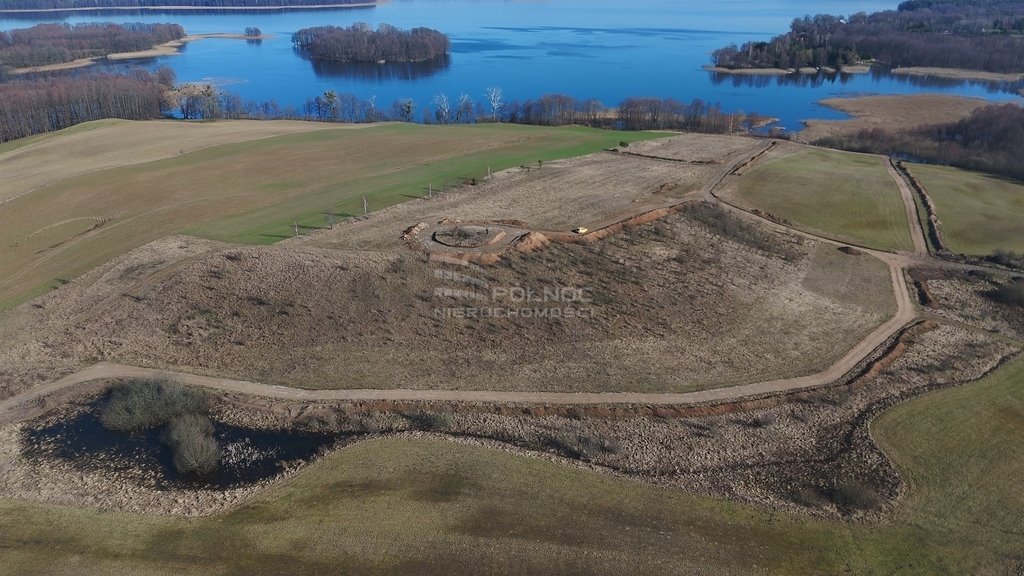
{"type": "Point", "coordinates": [361, 43]}
{"type": "Point", "coordinates": [56, 43]}
{"type": "Point", "coordinates": [73, 4]}
{"type": "Point", "coordinates": [978, 35]}
{"type": "Point", "coordinates": [989, 140]}
{"type": "Point", "coordinates": [35, 106]}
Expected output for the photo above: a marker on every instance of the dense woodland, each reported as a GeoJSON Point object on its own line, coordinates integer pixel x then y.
{"type": "Point", "coordinates": [978, 35]}
{"type": "Point", "coordinates": [360, 43]}
{"type": "Point", "coordinates": [990, 140]}
{"type": "Point", "coordinates": [56, 43]}
{"type": "Point", "coordinates": [69, 4]}
{"type": "Point", "coordinates": [46, 104]}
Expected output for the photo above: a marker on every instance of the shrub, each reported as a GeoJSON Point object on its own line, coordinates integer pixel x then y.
{"type": "Point", "coordinates": [142, 404]}
{"type": "Point", "coordinates": [431, 421]}
{"type": "Point", "coordinates": [762, 420]}
{"type": "Point", "coordinates": [1009, 294]}
{"type": "Point", "coordinates": [579, 446]}
{"type": "Point", "coordinates": [623, 144]}
{"type": "Point", "coordinates": [190, 437]}
{"type": "Point", "coordinates": [1007, 258]}
{"type": "Point", "coordinates": [854, 495]}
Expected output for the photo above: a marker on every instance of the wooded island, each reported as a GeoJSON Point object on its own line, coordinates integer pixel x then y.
{"type": "Point", "coordinates": [360, 43]}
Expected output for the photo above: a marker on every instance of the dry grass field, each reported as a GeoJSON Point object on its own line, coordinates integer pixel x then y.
{"type": "Point", "coordinates": [890, 113]}
{"type": "Point", "coordinates": [32, 163]}
{"type": "Point", "coordinates": [237, 181]}
{"type": "Point", "coordinates": [677, 305]}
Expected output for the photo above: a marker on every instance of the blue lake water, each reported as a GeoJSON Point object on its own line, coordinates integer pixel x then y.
{"type": "Point", "coordinates": [605, 49]}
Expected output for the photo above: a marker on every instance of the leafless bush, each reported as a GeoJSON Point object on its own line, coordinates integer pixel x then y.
{"type": "Point", "coordinates": [431, 421]}
{"type": "Point", "coordinates": [142, 404]}
{"type": "Point", "coordinates": [1009, 294]}
{"type": "Point", "coordinates": [853, 495]}
{"type": "Point", "coordinates": [190, 437]}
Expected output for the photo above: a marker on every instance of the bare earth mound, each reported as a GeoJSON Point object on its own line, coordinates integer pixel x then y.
{"type": "Point", "coordinates": [675, 305]}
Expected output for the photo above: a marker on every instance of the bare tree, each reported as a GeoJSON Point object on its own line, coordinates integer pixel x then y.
{"type": "Point", "coordinates": [372, 106]}
{"type": "Point", "coordinates": [464, 113]}
{"type": "Point", "coordinates": [442, 108]}
{"type": "Point", "coordinates": [494, 97]}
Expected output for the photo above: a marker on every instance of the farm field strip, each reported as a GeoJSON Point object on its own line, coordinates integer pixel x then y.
{"type": "Point", "coordinates": [844, 196]}
{"type": "Point", "coordinates": [70, 221]}
{"type": "Point", "coordinates": [978, 213]}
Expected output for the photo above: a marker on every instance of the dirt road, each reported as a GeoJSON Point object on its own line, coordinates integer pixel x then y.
{"type": "Point", "coordinates": [916, 229]}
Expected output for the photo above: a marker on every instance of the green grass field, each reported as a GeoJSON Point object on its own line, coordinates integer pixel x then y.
{"type": "Point", "coordinates": [848, 197]}
{"type": "Point", "coordinates": [979, 213]}
{"type": "Point", "coordinates": [250, 191]}
{"type": "Point", "coordinates": [425, 506]}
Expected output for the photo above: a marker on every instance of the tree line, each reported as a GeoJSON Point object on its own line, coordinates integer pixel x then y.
{"type": "Point", "coordinates": [69, 4]}
{"type": "Point", "coordinates": [361, 43]}
{"type": "Point", "coordinates": [56, 43]}
{"type": "Point", "coordinates": [989, 140]}
{"type": "Point", "coordinates": [975, 35]}
{"type": "Point", "coordinates": [35, 106]}
{"type": "Point", "coordinates": [204, 102]}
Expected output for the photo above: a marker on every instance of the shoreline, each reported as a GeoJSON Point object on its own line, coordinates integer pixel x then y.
{"type": "Point", "coordinates": [176, 8]}
{"type": "Point", "coordinates": [856, 69]}
{"type": "Point", "coordinates": [959, 74]}
{"type": "Point", "coordinates": [172, 48]}
{"type": "Point", "coordinates": [888, 111]}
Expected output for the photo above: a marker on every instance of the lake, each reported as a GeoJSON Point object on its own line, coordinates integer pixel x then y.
{"type": "Point", "coordinates": [604, 49]}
